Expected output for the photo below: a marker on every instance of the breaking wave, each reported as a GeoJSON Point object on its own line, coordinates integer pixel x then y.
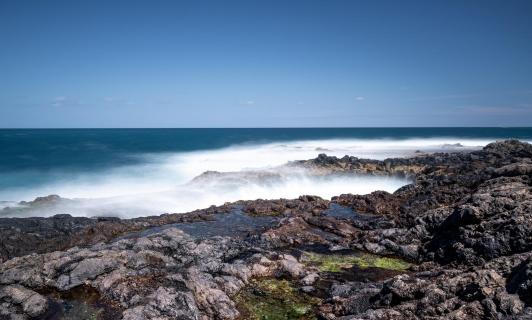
{"type": "Point", "coordinates": [161, 182]}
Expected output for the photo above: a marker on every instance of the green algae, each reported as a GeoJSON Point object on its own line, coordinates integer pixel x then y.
{"type": "Point", "coordinates": [339, 262]}
{"type": "Point", "coordinates": [274, 299]}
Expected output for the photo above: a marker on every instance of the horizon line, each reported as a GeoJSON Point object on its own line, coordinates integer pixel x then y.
{"type": "Point", "coordinates": [273, 127]}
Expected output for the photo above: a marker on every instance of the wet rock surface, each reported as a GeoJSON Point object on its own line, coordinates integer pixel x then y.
{"type": "Point", "coordinates": [21, 236]}
{"type": "Point", "coordinates": [454, 244]}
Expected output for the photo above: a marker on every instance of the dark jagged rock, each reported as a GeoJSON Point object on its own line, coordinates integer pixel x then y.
{"type": "Point", "coordinates": [520, 281]}
{"type": "Point", "coordinates": [378, 202]}
{"type": "Point", "coordinates": [312, 204]}
{"type": "Point", "coordinates": [21, 236]}
{"type": "Point", "coordinates": [464, 224]}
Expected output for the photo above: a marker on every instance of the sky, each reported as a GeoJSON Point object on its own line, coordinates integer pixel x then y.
{"type": "Point", "coordinates": [67, 64]}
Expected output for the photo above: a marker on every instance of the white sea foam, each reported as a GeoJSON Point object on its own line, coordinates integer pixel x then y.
{"type": "Point", "coordinates": [160, 183]}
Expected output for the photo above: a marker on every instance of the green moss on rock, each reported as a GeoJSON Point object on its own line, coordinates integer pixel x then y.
{"type": "Point", "coordinates": [273, 299]}
{"type": "Point", "coordinates": [338, 262]}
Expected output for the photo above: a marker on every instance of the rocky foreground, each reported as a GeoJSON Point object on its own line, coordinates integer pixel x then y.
{"type": "Point", "coordinates": [454, 244]}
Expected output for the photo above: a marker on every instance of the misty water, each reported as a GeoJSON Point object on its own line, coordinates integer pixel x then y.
{"type": "Point", "coordinates": [125, 178]}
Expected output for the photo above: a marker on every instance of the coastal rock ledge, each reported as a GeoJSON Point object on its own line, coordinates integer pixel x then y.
{"type": "Point", "coordinates": [456, 243]}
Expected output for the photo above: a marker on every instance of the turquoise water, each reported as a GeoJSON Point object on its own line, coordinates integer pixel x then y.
{"type": "Point", "coordinates": [108, 164]}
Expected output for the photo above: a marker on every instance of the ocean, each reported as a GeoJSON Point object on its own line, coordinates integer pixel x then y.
{"type": "Point", "coordinates": [134, 172]}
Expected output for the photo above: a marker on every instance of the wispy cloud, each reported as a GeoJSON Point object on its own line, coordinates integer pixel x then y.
{"type": "Point", "coordinates": [360, 98]}
{"type": "Point", "coordinates": [59, 101]}
{"type": "Point", "coordinates": [247, 102]}
{"type": "Point", "coordinates": [64, 101]}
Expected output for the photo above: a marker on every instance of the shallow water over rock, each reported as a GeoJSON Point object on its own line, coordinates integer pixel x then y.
{"type": "Point", "coordinates": [275, 299]}
{"type": "Point", "coordinates": [233, 224]}
{"type": "Point", "coordinates": [339, 211]}
{"type": "Point", "coordinates": [342, 212]}
{"type": "Point", "coordinates": [80, 303]}
{"type": "Point", "coordinates": [359, 219]}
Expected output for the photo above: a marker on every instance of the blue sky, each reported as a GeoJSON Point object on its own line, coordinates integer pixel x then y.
{"type": "Point", "coordinates": [265, 63]}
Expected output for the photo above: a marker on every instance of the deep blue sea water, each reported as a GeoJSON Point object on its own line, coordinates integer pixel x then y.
{"type": "Point", "coordinates": [86, 149]}
{"type": "Point", "coordinates": [107, 163]}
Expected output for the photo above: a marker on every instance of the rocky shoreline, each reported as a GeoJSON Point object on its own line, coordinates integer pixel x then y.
{"type": "Point", "coordinates": [456, 243]}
